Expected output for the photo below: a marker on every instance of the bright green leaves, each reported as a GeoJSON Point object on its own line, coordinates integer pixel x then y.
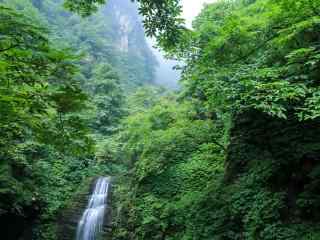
{"type": "Point", "coordinates": [162, 20]}
{"type": "Point", "coordinates": [255, 55]}
{"type": "Point", "coordinates": [23, 47]}
{"type": "Point", "coordinates": [174, 155]}
{"type": "Point", "coordinates": [38, 101]}
{"type": "Point", "coordinates": [108, 98]}
{"type": "Point", "coordinates": [311, 108]}
{"type": "Point", "coordinates": [257, 60]}
{"type": "Point", "coordinates": [270, 97]}
{"type": "Point", "coordinates": [24, 35]}
{"type": "Point", "coordinates": [83, 7]}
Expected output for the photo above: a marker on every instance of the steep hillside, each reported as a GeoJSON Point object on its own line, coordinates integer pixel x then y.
{"type": "Point", "coordinates": [236, 155]}
{"type": "Point", "coordinates": [233, 155]}
{"type": "Point", "coordinates": [64, 80]}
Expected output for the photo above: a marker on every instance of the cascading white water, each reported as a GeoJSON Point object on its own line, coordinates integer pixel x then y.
{"type": "Point", "coordinates": [91, 222]}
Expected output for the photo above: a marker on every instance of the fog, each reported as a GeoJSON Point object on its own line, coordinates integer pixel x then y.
{"type": "Point", "coordinates": [165, 74]}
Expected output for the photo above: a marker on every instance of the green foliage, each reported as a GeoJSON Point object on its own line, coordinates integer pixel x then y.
{"type": "Point", "coordinates": [235, 157]}
{"type": "Point", "coordinates": [108, 98]}
{"type": "Point", "coordinates": [161, 18]}
{"type": "Point", "coordinates": [84, 7]}
{"type": "Point", "coordinates": [102, 40]}
{"type": "Point", "coordinates": [44, 144]}
{"type": "Point", "coordinates": [251, 80]}
{"type": "Point", "coordinates": [62, 83]}
{"type": "Point", "coordinates": [173, 155]}
{"type": "Point", "coordinates": [256, 55]}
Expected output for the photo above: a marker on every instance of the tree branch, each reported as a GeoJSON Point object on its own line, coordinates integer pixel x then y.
{"type": "Point", "coordinates": [219, 145]}
{"type": "Point", "coordinates": [8, 48]}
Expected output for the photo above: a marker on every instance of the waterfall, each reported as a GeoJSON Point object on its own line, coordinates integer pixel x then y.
{"type": "Point", "coordinates": [91, 222]}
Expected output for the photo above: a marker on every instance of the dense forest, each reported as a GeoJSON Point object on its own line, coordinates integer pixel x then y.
{"type": "Point", "coordinates": [234, 154]}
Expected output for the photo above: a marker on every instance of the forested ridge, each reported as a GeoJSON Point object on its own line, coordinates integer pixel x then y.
{"type": "Point", "coordinates": [63, 86]}
{"type": "Point", "coordinates": [234, 154]}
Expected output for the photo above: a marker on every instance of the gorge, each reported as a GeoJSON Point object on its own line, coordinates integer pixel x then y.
{"type": "Point", "coordinates": [233, 153]}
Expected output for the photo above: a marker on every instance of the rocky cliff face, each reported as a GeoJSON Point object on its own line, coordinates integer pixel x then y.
{"type": "Point", "coordinates": [127, 25]}
{"type": "Point", "coordinates": [113, 35]}
{"type": "Point", "coordinates": [125, 31]}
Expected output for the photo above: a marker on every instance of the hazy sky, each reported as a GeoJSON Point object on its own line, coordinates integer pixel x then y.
{"type": "Point", "coordinates": [191, 8]}
{"type": "Point", "coordinates": [165, 75]}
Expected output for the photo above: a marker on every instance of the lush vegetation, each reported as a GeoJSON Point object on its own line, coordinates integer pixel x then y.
{"type": "Point", "coordinates": [63, 82]}
{"type": "Point", "coordinates": [233, 155]}
{"type": "Point", "coordinates": [236, 156]}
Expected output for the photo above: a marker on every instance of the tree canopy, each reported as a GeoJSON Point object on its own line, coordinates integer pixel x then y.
{"type": "Point", "coordinates": [232, 155]}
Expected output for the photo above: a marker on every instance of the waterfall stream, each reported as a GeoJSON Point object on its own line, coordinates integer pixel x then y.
{"type": "Point", "coordinates": [91, 222]}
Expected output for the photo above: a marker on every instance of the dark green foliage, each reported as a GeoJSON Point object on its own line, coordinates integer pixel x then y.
{"type": "Point", "coordinates": [45, 147]}
{"type": "Point", "coordinates": [83, 7]}
{"type": "Point", "coordinates": [234, 157]}
{"type": "Point", "coordinates": [108, 98]}
{"type": "Point", "coordinates": [251, 56]}
{"type": "Point", "coordinates": [62, 87]}
{"type": "Point", "coordinates": [252, 75]}
{"type": "Point", "coordinates": [37, 125]}
{"type": "Point", "coordinates": [174, 155]}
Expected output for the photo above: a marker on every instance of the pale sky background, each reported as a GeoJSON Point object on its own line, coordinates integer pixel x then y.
{"type": "Point", "coordinates": [165, 75]}
{"type": "Point", "coordinates": [191, 8]}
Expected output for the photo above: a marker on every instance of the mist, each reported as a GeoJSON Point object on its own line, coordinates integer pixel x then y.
{"type": "Point", "coordinates": [165, 75]}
